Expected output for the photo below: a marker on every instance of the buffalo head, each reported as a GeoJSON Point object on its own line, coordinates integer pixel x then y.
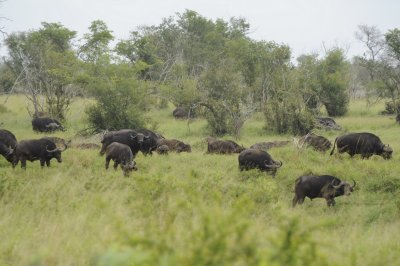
{"type": "Point", "coordinates": [56, 152]}
{"type": "Point", "coordinates": [344, 188]}
{"type": "Point", "coordinates": [387, 152]}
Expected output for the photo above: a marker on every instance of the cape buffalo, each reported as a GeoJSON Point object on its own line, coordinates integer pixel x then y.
{"type": "Point", "coordinates": [125, 136]}
{"type": "Point", "coordinates": [253, 158]}
{"type": "Point", "coordinates": [180, 113]}
{"type": "Point", "coordinates": [143, 140]}
{"type": "Point", "coordinates": [223, 146]}
{"type": "Point", "coordinates": [8, 142]}
{"type": "Point", "coordinates": [120, 154]}
{"type": "Point", "coordinates": [365, 144]}
{"type": "Point", "coordinates": [162, 149]}
{"type": "Point", "coordinates": [175, 145]}
{"type": "Point", "coordinates": [46, 124]}
{"type": "Point", "coordinates": [38, 149]}
{"type": "Point", "coordinates": [320, 186]}
{"type": "Point", "coordinates": [268, 145]}
{"type": "Point", "coordinates": [319, 143]}
{"type": "Point", "coordinates": [149, 143]}
{"type": "Point", "coordinates": [326, 123]}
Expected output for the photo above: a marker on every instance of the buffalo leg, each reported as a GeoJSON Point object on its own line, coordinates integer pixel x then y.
{"type": "Point", "coordinates": [298, 200]}
{"type": "Point", "coordinates": [23, 163]}
{"type": "Point", "coordinates": [273, 172]}
{"type": "Point", "coordinates": [107, 162]}
{"type": "Point", "coordinates": [330, 202]}
{"type": "Point", "coordinates": [42, 162]}
{"type": "Point", "coordinates": [115, 165]}
{"type": "Point", "coordinates": [15, 162]}
{"type": "Point", "coordinates": [48, 163]}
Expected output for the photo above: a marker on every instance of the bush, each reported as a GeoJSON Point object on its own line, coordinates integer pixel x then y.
{"type": "Point", "coordinates": [119, 105]}
{"type": "Point", "coordinates": [285, 117]}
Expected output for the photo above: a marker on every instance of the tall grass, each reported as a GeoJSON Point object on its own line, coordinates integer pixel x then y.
{"type": "Point", "coordinates": [197, 209]}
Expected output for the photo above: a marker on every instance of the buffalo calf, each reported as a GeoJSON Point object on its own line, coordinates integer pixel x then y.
{"type": "Point", "coordinates": [120, 154]}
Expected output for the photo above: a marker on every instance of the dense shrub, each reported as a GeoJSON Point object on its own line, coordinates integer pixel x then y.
{"type": "Point", "coordinates": [119, 105]}
{"type": "Point", "coordinates": [286, 117]}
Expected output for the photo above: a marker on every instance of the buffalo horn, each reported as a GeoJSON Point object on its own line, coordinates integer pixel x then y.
{"type": "Point", "coordinates": [272, 165]}
{"type": "Point", "coordinates": [56, 149]}
{"type": "Point", "coordinates": [132, 136]}
{"type": "Point", "coordinates": [337, 186]}
{"type": "Point", "coordinates": [10, 150]}
{"type": "Point", "coordinates": [51, 151]}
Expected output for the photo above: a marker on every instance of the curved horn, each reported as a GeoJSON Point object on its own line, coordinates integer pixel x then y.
{"type": "Point", "coordinates": [132, 136]}
{"type": "Point", "coordinates": [146, 137]}
{"type": "Point", "coordinates": [65, 147]}
{"type": "Point", "coordinates": [272, 165]}
{"type": "Point", "coordinates": [51, 151]}
{"type": "Point", "coordinates": [337, 186]}
{"type": "Point", "coordinates": [354, 183]}
{"type": "Point", "coordinates": [56, 149]}
{"type": "Point", "coordinates": [280, 164]}
{"type": "Point", "coordinates": [10, 151]}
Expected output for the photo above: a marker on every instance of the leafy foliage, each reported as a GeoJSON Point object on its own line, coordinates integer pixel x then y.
{"type": "Point", "coordinates": [46, 65]}
{"type": "Point", "coordinates": [120, 101]}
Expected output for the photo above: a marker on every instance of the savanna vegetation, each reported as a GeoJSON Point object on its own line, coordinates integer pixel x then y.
{"type": "Point", "coordinates": [196, 208]}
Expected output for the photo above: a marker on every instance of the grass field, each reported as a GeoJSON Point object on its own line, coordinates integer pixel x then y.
{"type": "Point", "coordinates": [197, 209]}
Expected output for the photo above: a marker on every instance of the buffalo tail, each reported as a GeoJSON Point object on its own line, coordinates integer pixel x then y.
{"type": "Point", "coordinates": [334, 145]}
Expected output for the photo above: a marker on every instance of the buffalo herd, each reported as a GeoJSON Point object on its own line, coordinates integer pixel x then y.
{"type": "Point", "coordinates": [123, 145]}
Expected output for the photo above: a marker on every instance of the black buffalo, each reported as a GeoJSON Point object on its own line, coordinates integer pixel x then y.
{"type": "Point", "coordinates": [318, 143]}
{"type": "Point", "coordinates": [38, 149]}
{"type": "Point", "coordinates": [258, 159]}
{"type": "Point", "coordinates": [46, 124]}
{"type": "Point", "coordinates": [120, 154]}
{"type": "Point", "coordinates": [366, 144]}
{"type": "Point", "coordinates": [163, 149]}
{"type": "Point", "coordinates": [8, 142]}
{"type": "Point", "coordinates": [180, 113]}
{"type": "Point", "coordinates": [150, 139]}
{"type": "Point", "coordinates": [326, 123]}
{"type": "Point", "coordinates": [142, 140]}
{"type": "Point", "coordinates": [125, 136]}
{"type": "Point", "coordinates": [223, 146]}
{"type": "Point", "coordinates": [320, 186]}
{"type": "Point", "coordinates": [174, 145]}
{"type": "Point", "coordinates": [268, 145]}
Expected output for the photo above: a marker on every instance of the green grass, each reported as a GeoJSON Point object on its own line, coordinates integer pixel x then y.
{"type": "Point", "coordinates": [197, 209]}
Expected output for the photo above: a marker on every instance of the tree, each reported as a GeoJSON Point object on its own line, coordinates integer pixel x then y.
{"type": "Point", "coordinates": [383, 65]}
{"type": "Point", "coordinates": [46, 64]}
{"type": "Point", "coordinates": [372, 38]}
{"type": "Point", "coordinates": [334, 82]}
{"type": "Point", "coordinates": [120, 100]}
{"type": "Point", "coordinates": [227, 101]}
{"type": "Point", "coordinates": [308, 73]}
{"type": "Point", "coordinates": [95, 48]}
